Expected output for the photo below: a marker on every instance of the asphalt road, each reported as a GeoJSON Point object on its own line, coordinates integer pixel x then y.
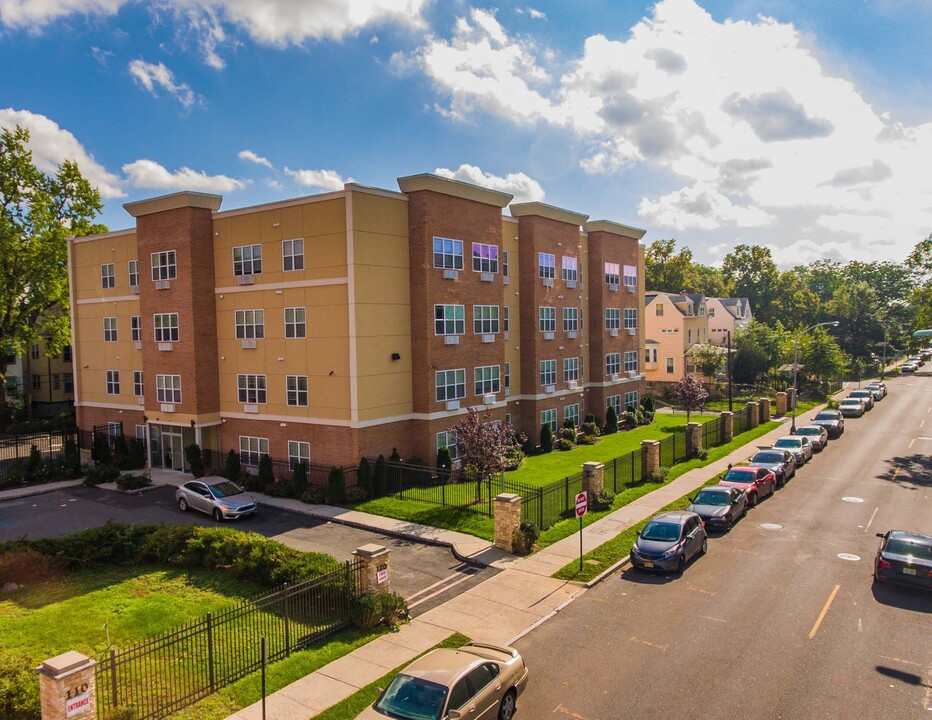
{"type": "Point", "coordinates": [420, 572]}
{"type": "Point", "coordinates": [780, 618]}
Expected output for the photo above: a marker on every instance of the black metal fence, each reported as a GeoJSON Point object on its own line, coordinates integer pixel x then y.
{"type": "Point", "coordinates": [742, 421]}
{"type": "Point", "coordinates": [713, 433]}
{"type": "Point", "coordinates": [162, 675]}
{"type": "Point", "coordinates": [16, 449]}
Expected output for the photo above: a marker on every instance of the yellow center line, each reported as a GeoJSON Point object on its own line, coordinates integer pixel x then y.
{"type": "Point", "coordinates": [828, 604]}
{"type": "Point", "coordinates": [867, 527]}
{"type": "Point", "coordinates": [921, 424]}
{"type": "Point", "coordinates": [911, 444]}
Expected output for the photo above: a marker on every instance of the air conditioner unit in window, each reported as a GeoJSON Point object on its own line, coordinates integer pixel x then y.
{"type": "Point", "coordinates": [506, 280]}
{"type": "Point", "coordinates": [134, 289]}
{"type": "Point", "coordinates": [163, 284]}
{"type": "Point", "coordinates": [548, 336]}
{"type": "Point", "coordinates": [506, 335]}
{"type": "Point", "coordinates": [140, 400]}
{"type": "Point", "coordinates": [451, 340]}
{"type": "Point", "coordinates": [453, 405]}
{"type": "Point", "coordinates": [571, 334]}
{"type": "Point", "coordinates": [245, 280]}
{"type": "Point", "coordinates": [548, 282]}
{"type": "Point", "coordinates": [253, 409]}
{"type": "Point", "coordinates": [488, 399]}
{"type": "Point", "coordinates": [613, 332]}
{"type": "Point", "coordinates": [165, 347]}
{"type": "Point", "coordinates": [632, 374]}
{"type": "Point", "coordinates": [167, 408]}
{"type": "Point", "coordinates": [249, 344]}
{"type": "Point", "coordinates": [488, 338]}
{"type": "Point", "coordinates": [571, 284]}
{"type": "Point", "coordinates": [549, 388]}
{"type": "Point", "coordinates": [139, 346]}
{"type": "Point", "coordinates": [613, 288]}
{"type": "Point", "coordinates": [631, 288]}
{"type": "Point", "coordinates": [632, 331]}
{"type": "Point", "coordinates": [613, 377]}
{"type": "Point", "coordinates": [450, 274]}
{"type": "Point", "coordinates": [486, 277]}
{"type": "Point", "coordinates": [571, 384]}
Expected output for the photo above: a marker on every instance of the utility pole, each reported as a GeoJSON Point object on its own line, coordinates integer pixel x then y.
{"type": "Point", "coordinates": [728, 366]}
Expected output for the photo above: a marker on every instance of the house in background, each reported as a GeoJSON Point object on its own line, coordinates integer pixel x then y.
{"type": "Point", "coordinates": [673, 323]}
{"type": "Point", "coordinates": [46, 381]}
{"type": "Point", "coordinates": [727, 314]}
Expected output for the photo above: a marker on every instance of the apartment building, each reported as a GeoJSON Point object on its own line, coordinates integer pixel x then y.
{"type": "Point", "coordinates": [44, 380]}
{"type": "Point", "coordinates": [673, 323]}
{"type": "Point", "coordinates": [344, 324]}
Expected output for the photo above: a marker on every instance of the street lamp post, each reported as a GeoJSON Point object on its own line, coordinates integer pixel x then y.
{"type": "Point", "coordinates": [833, 323]}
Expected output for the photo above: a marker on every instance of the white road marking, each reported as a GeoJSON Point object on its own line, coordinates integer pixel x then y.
{"type": "Point", "coordinates": [771, 526]}
{"type": "Point", "coordinates": [860, 625]}
{"type": "Point", "coordinates": [911, 443]}
{"type": "Point", "coordinates": [715, 619]}
{"type": "Point", "coordinates": [867, 527]}
{"type": "Point", "coordinates": [900, 660]}
{"type": "Point", "coordinates": [849, 557]}
{"type": "Point", "coordinates": [921, 424]}
{"type": "Point", "coordinates": [662, 648]}
{"type": "Point", "coordinates": [852, 499]}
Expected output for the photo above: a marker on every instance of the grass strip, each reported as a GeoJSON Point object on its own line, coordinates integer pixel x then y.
{"type": "Point", "coordinates": [437, 516]}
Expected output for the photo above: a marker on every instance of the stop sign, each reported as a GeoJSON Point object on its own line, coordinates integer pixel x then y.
{"type": "Point", "coordinates": [582, 504]}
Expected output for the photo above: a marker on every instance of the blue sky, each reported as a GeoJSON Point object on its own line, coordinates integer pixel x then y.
{"type": "Point", "coordinates": [803, 125]}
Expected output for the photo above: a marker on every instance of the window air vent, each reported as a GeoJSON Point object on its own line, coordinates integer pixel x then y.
{"type": "Point", "coordinates": [140, 400]}
{"type": "Point", "coordinates": [571, 284]}
{"type": "Point", "coordinates": [613, 288]}
{"type": "Point", "coordinates": [134, 289]}
{"type": "Point", "coordinates": [614, 377]}
{"type": "Point", "coordinates": [572, 384]}
{"type": "Point", "coordinates": [548, 282]}
{"type": "Point", "coordinates": [613, 332]}
{"type": "Point", "coordinates": [632, 374]}
{"type": "Point", "coordinates": [632, 288]}
{"type": "Point", "coordinates": [548, 336]}
{"type": "Point", "coordinates": [506, 281]}
{"type": "Point", "coordinates": [571, 334]}
{"type": "Point", "coordinates": [549, 389]}
{"type": "Point", "coordinates": [486, 277]}
{"type": "Point", "coordinates": [632, 331]}
{"type": "Point", "coordinates": [488, 399]}
{"type": "Point", "coordinates": [488, 338]}
{"type": "Point", "coordinates": [139, 346]}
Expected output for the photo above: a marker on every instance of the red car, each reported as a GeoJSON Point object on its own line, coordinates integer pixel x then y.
{"type": "Point", "coordinates": [756, 482]}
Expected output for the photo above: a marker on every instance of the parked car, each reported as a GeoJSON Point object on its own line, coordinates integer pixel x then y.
{"type": "Point", "coordinates": [757, 482]}
{"type": "Point", "coordinates": [799, 445]}
{"type": "Point", "coordinates": [669, 541]}
{"type": "Point", "coordinates": [780, 462]}
{"type": "Point", "coordinates": [832, 421]}
{"type": "Point", "coordinates": [909, 367]}
{"type": "Point", "coordinates": [904, 557]}
{"type": "Point", "coordinates": [863, 394]}
{"type": "Point", "coordinates": [926, 354]}
{"type": "Point", "coordinates": [916, 360]}
{"type": "Point", "coordinates": [877, 390]}
{"type": "Point", "coordinates": [475, 681]}
{"type": "Point", "coordinates": [216, 496]}
{"type": "Point", "coordinates": [851, 407]}
{"type": "Point", "coordinates": [817, 435]}
{"type": "Point", "coordinates": [719, 507]}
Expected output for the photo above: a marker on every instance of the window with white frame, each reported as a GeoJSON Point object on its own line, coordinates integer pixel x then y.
{"type": "Point", "coordinates": [450, 384]}
{"type": "Point", "coordinates": [449, 319]}
{"type": "Point", "coordinates": [137, 383]}
{"type": "Point", "coordinates": [447, 439]}
{"type": "Point", "coordinates": [570, 268]}
{"type": "Point", "coordinates": [548, 319]}
{"type": "Point", "coordinates": [505, 317]}
{"type": "Point", "coordinates": [165, 326]}
{"type": "Point", "coordinates": [448, 254]}
{"type": "Point", "coordinates": [163, 265]}
{"type": "Point", "coordinates": [631, 400]}
{"type": "Point", "coordinates": [133, 273]}
{"type": "Point", "coordinates": [571, 412]}
{"type": "Point", "coordinates": [613, 401]}
{"type": "Point", "coordinates": [671, 365]}
{"type": "Point", "coordinates": [548, 372]}
{"type": "Point", "coordinates": [37, 381]}
{"type": "Point", "coordinates": [701, 310]}
{"type": "Point", "coordinates": [631, 318]}
{"type": "Point", "coordinates": [113, 382]}
{"type": "Point", "coordinates": [251, 389]}
{"type": "Point", "coordinates": [293, 254]}
{"type": "Point", "coordinates": [296, 390]}
{"type": "Point", "coordinates": [570, 319]}
{"type": "Point", "coordinates": [107, 276]}
{"type": "Point", "coordinates": [658, 309]}
{"type": "Point", "coordinates": [247, 260]}
{"type": "Point", "coordinates": [488, 379]}
{"type": "Point", "coordinates": [546, 265]}
{"type": "Point", "coordinates": [507, 375]}
{"type": "Point", "coordinates": [711, 312]}
{"type": "Point", "coordinates": [141, 432]}
{"type": "Point", "coordinates": [571, 369]}
{"type": "Point", "coordinates": [251, 449]}
{"type": "Point", "coordinates": [295, 322]}
{"type": "Point", "coordinates": [135, 328]}
{"type": "Point", "coordinates": [250, 324]}
{"type": "Point", "coordinates": [35, 351]}
{"type": "Point", "coordinates": [631, 361]}
{"type": "Point", "coordinates": [110, 329]}
{"type": "Point", "coordinates": [168, 389]}
{"type": "Point", "coordinates": [504, 263]}
{"type": "Point", "coordinates": [612, 318]}
{"type": "Point", "coordinates": [485, 319]}
{"type": "Point", "coordinates": [299, 453]}
{"type": "Point", "coordinates": [650, 355]}
{"type": "Point", "coordinates": [549, 417]}
{"type": "Point", "coordinates": [630, 275]}
{"type": "Point", "coordinates": [484, 258]}
{"type": "Point", "coordinates": [612, 364]}
{"type": "Point", "coordinates": [612, 273]}
{"type": "Point", "coordinates": [689, 337]}
{"type": "Point", "coordinates": [508, 418]}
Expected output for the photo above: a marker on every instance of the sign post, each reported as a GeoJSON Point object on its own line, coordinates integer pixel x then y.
{"type": "Point", "coordinates": [582, 507]}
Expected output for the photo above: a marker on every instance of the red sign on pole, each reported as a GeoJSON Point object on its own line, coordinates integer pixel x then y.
{"type": "Point", "coordinates": [582, 504]}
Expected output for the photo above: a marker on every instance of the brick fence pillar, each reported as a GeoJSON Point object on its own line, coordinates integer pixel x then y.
{"type": "Point", "coordinates": [764, 410]}
{"type": "Point", "coordinates": [593, 478]}
{"type": "Point", "coordinates": [507, 520]}
{"type": "Point", "coordinates": [67, 687]}
{"type": "Point", "coordinates": [693, 438]}
{"type": "Point", "coordinates": [753, 414]}
{"type": "Point", "coordinates": [781, 404]}
{"type": "Point", "coordinates": [376, 560]}
{"type": "Point", "coordinates": [728, 426]}
{"type": "Point", "coordinates": [651, 460]}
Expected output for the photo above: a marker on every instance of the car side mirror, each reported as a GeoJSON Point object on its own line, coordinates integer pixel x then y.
{"type": "Point", "coordinates": [880, 535]}
{"type": "Point", "coordinates": [380, 691]}
{"type": "Point", "coordinates": [454, 714]}
{"type": "Point", "coordinates": [638, 533]}
{"type": "Point", "coordinates": [691, 500]}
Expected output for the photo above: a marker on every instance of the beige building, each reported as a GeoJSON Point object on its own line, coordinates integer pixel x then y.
{"type": "Point", "coordinates": [726, 315]}
{"type": "Point", "coordinates": [46, 381]}
{"type": "Point", "coordinates": [673, 324]}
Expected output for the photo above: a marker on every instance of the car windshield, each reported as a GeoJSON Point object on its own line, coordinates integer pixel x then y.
{"type": "Point", "coordinates": [661, 531]}
{"type": "Point", "coordinates": [708, 497]}
{"type": "Point", "coordinates": [905, 547]}
{"type": "Point", "coordinates": [808, 431]}
{"type": "Point", "coordinates": [411, 698]}
{"type": "Point", "coordinates": [851, 403]}
{"type": "Point", "coordinates": [787, 443]}
{"type": "Point", "coordinates": [225, 489]}
{"type": "Point", "coordinates": [859, 393]}
{"type": "Point", "coordinates": [740, 476]}
{"type": "Point", "coordinates": [826, 416]}
{"type": "Point", "coordinates": [768, 457]}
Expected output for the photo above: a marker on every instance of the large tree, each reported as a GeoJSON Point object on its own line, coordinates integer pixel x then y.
{"type": "Point", "coordinates": [751, 272]}
{"type": "Point", "coordinates": [820, 356]}
{"type": "Point", "coordinates": [858, 310]}
{"type": "Point", "coordinates": [39, 211]}
{"type": "Point", "coordinates": [666, 269]}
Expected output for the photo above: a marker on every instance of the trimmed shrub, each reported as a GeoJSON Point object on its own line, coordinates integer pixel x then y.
{"type": "Point", "coordinates": [564, 444]}
{"type": "Point", "coordinates": [591, 418]}
{"type": "Point", "coordinates": [601, 501]}
{"type": "Point", "coordinates": [278, 488]}
{"type": "Point", "coordinates": [314, 496]}
{"type": "Point", "coordinates": [648, 405]}
{"type": "Point", "coordinates": [590, 428]}
{"type": "Point", "coordinates": [99, 474]}
{"type": "Point", "coordinates": [588, 440]}
{"type": "Point", "coordinates": [374, 609]}
{"type": "Point", "coordinates": [659, 475]}
{"type": "Point", "coordinates": [100, 452]}
{"type": "Point", "coordinates": [195, 459]}
{"type": "Point", "coordinates": [336, 486]}
{"type": "Point", "coordinates": [120, 450]}
{"type": "Point", "coordinates": [569, 424]}
{"type": "Point", "coordinates": [568, 433]}
{"type": "Point", "coordinates": [611, 421]}
{"type": "Point", "coordinates": [133, 482]}
{"type": "Point", "coordinates": [364, 477]}
{"type": "Point", "coordinates": [527, 447]}
{"type": "Point", "coordinates": [232, 469]}
{"type": "Point", "coordinates": [702, 454]}
{"type": "Point", "coordinates": [524, 537]}
{"type": "Point", "coordinates": [356, 495]}
{"type": "Point", "coordinates": [444, 460]}
{"type": "Point", "coordinates": [71, 459]}
{"type": "Point", "coordinates": [266, 475]}
{"type": "Point", "coordinates": [34, 466]}
{"type": "Point", "coordinates": [299, 479]}
{"type": "Point", "coordinates": [379, 477]}
{"type": "Point", "coordinates": [135, 454]}
{"type": "Point", "coordinates": [513, 457]}
{"type": "Point", "coordinates": [546, 438]}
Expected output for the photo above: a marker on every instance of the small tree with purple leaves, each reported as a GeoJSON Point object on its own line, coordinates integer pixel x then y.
{"type": "Point", "coordinates": [482, 446]}
{"type": "Point", "coordinates": [689, 394]}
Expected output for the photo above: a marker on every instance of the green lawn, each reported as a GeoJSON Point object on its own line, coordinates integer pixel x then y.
{"type": "Point", "coordinates": [448, 518]}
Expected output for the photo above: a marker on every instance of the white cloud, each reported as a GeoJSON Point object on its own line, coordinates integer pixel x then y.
{"type": "Point", "coordinates": [152, 76]}
{"type": "Point", "coordinates": [700, 207]}
{"type": "Point", "coordinates": [524, 188]}
{"type": "Point", "coordinates": [102, 57]}
{"type": "Point", "coordinates": [149, 174]}
{"type": "Point", "coordinates": [51, 144]}
{"type": "Point", "coordinates": [34, 14]}
{"type": "Point", "coordinates": [323, 179]}
{"type": "Point", "coordinates": [250, 156]}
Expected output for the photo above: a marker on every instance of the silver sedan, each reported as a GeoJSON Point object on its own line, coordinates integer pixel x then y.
{"type": "Point", "coordinates": [216, 496]}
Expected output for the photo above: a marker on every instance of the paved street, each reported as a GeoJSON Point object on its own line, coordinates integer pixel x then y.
{"type": "Point", "coordinates": [780, 619]}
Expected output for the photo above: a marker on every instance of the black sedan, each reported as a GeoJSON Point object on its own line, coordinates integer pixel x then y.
{"type": "Point", "coordinates": [905, 558]}
{"type": "Point", "coordinates": [780, 462]}
{"type": "Point", "coordinates": [719, 507]}
{"type": "Point", "coordinates": [832, 421]}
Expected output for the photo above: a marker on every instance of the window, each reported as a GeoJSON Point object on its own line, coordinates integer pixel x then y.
{"type": "Point", "coordinates": [56, 381]}
{"type": "Point", "coordinates": [140, 432]}
{"type": "Point", "coordinates": [571, 412]}
{"type": "Point", "coordinates": [613, 401]}
{"type": "Point", "coordinates": [295, 322]}
{"type": "Point", "coordinates": [251, 449]}
{"type": "Point", "coordinates": [549, 417]}
{"type": "Point", "coordinates": [612, 274]}
{"type": "Point", "coordinates": [296, 390]}
{"type": "Point", "coordinates": [449, 319]}
{"type": "Point", "coordinates": [447, 439]}
{"type": "Point", "coordinates": [711, 312]}
{"type": "Point", "coordinates": [110, 329]}
{"type": "Point", "coordinates": [488, 379]}
{"type": "Point", "coordinates": [484, 258]}
{"type": "Point", "coordinates": [113, 382]}
{"type": "Point", "coordinates": [484, 319]}
{"type": "Point", "coordinates": [66, 353]}
{"type": "Point", "coordinates": [548, 319]}
{"type": "Point", "coordinates": [631, 318]}
{"type": "Point", "coordinates": [137, 383]}
{"type": "Point", "coordinates": [546, 265]}
{"type": "Point", "coordinates": [450, 384]}
{"type": "Point", "coordinates": [548, 372]}
{"type": "Point", "coordinates": [247, 260]}
{"type": "Point", "coordinates": [612, 318]}
{"type": "Point", "coordinates": [69, 383]}
{"type": "Point", "coordinates": [570, 319]}
{"type": "Point", "coordinates": [650, 355]}
{"type": "Point", "coordinates": [571, 369]}
{"type": "Point", "coordinates": [658, 309]}
{"type": "Point", "coordinates": [570, 272]}
{"type": "Point", "coordinates": [671, 365]}
{"type": "Point", "coordinates": [299, 453]}
{"type": "Point", "coordinates": [35, 351]}
{"type": "Point", "coordinates": [448, 254]}
{"type": "Point", "coordinates": [163, 265]}
{"type": "Point", "coordinates": [134, 329]}
{"type": "Point", "coordinates": [134, 273]}
{"type": "Point", "coordinates": [293, 254]}
{"type": "Point", "coordinates": [36, 382]}
{"type": "Point", "coordinates": [630, 275]}
{"type": "Point", "coordinates": [689, 337]}
{"type": "Point", "coordinates": [507, 375]}
{"type": "Point", "coordinates": [612, 364]}
{"type": "Point", "coordinates": [631, 400]}
{"type": "Point", "coordinates": [250, 324]}
{"type": "Point", "coordinates": [631, 361]}
{"type": "Point", "coordinates": [504, 263]}
{"type": "Point", "coordinates": [166, 327]}
{"type": "Point", "coordinates": [251, 389]}
{"type": "Point", "coordinates": [107, 276]}
{"type": "Point", "coordinates": [505, 316]}
{"type": "Point", "coordinates": [508, 418]}
{"type": "Point", "coordinates": [168, 389]}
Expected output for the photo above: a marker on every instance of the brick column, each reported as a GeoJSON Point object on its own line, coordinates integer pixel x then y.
{"type": "Point", "coordinates": [753, 414]}
{"type": "Point", "coordinates": [593, 478]}
{"type": "Point", "coordinates": [764, 410]}
{"type": "Point", "coordinates": [376, 560]}
{"type": "Point", "coordinates": [790, 398]}
{"type": "Point", "coordinates": [507, 520]}
{"type": "Point", "coordinates": [728, 426]}
{"type": "Point", "coordinates": [781, 404]}
{"type": "Point", "coordinates": [693, 438]}
{"type": "Point", "coordinates": [67, 687]}
{"type": "Point", "coordinates": [651, 456]}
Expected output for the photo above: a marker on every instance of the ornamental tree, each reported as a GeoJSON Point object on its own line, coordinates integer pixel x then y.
{"type": "Point", "coordinates": [690, 394]}
{"type": "Point", "coordinates": [482, 445]}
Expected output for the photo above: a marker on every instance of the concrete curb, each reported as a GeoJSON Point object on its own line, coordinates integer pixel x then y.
{"type": "Point", "coordinates": [33, 490]}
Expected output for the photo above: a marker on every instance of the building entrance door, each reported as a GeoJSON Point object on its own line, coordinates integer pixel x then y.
{"type": "Point", "coordinates": [172, 450]}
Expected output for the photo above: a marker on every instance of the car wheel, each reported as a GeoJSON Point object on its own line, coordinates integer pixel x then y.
{"type": "Point", "coordinates": [506, 711]}
{"type": "Point", "coordinates": [681, 565]}
{"type": "Point", "coordinates": [218, 516]}
{"type": "Point", "coordinates": [752, 500]}
{"type": "Point", "coordinates": [705, 546]}
{"type": "Point", "coordinates": [183, 504]}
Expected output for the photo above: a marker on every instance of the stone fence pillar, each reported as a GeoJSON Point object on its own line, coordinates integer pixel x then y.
{"type": "Point", "coordinates": [781, 404]}
{"type": "Point", "coordinates": [507, 520]}
{"type": "Point", "coordinates": [593, 478]}
{"type": "Point", "coordinates": [764, 410]}
{"type": "Point", "coordinates": [67, 687]}
{"type": "Point", "coordinates": [728, 426]}
{"type": "Point", "coordinates": [753, 414]}
{"type": "Point", "coordinates": [693, 438]}
{"type": "Point", "coordinates": [376, 560]}
{"type": "Point", "coordinates": [651, 459]}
